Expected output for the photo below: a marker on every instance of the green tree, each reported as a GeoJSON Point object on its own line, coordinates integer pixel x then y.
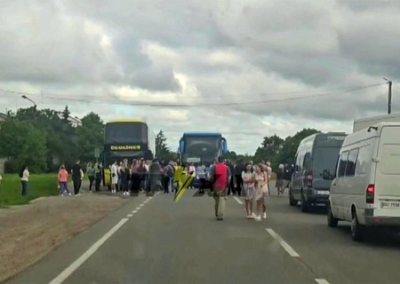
{"type": "Point", "coordinates": [162, 150]}
{"type": "Point", "coordinates": [288, 151]}
{"type": "Point", "coordinates": [91, 136]}
{"type": "Point", "coordinates": [269, 149]}
{"type": "Point", "coordinates": [22, 143]}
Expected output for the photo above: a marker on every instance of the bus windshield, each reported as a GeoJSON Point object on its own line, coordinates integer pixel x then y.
{"type": "Point", "coordinates": [201, 149]}
{"type": "Point", "coordinates": [126, 132]}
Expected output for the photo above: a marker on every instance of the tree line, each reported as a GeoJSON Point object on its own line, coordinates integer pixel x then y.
{"type": "Point", "coordinates": [45, 139]}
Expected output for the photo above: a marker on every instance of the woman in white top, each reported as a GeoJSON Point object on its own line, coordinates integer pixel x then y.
{"type": "Point", "coordinates": [24, 175]}
{"type": "Point", "coordinates": [114, 177]}
{"type": "Point", "coordinates": [261, 191]}
{"type": "Point", "coordinates": [248, 178]}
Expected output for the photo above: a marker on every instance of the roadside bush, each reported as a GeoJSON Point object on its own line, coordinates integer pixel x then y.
{"type": "Point", "coordinates": [39, 185]}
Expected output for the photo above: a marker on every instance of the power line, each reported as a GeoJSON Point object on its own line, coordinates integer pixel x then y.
{"type": "Point", "coordinates": [202, 96]}
{"type": "Point", "coordinates": [343, 91]}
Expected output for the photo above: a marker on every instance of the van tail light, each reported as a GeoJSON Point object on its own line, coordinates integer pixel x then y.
{"type": "Point", "coordinates": [309, 178]}
{"type": "Point", "coordinates": [370, 194]}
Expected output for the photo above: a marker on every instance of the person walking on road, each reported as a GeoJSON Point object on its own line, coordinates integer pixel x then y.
{"type": "Point", "coordinates": [269, 173]}
{"type": "Point", "coordinates": [220, 176]}
{"type": "Point", "coordinates": [63, 181]}
{"type": "Point", "coordinates": [77, 177]}
{"type": "Point", "coordinates": [114, 177]}
{"type": "Point", "coordinates": [261, 186]}
{"type": "Point", "coordinates": [24, 175]}
{"type": "Point", "coordinates": [124, 175]}
{"type": "Point", "coordinates": [238, 176]}
{"type": "Point", "coordinates": [279, 180]}
{"type": "Point", "coordinates": [248, 178]}
{"type": "Point", "coordinates": [90, 171]}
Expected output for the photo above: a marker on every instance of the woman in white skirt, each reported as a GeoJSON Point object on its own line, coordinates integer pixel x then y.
{"type": "Point", "coordinates": [261, 191]}
{"type": "Point", "coordinates": [248, 178]}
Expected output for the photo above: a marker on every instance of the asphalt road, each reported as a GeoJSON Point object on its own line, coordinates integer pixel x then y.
{"type": "Point", "coordinates": [154, 240]}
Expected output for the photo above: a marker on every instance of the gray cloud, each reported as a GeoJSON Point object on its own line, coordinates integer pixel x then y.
{"type": "Point", "coordinates": [205, 52]}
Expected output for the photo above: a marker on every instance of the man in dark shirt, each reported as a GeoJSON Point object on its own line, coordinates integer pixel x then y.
{"type": "Point", "coordinates": [77, 177]}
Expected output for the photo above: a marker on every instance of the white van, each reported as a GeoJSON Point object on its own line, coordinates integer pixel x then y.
{"type": "Point", "coordinates": [366, 187]}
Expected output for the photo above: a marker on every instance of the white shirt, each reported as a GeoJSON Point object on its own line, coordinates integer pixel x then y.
{"type": "Point", "coordinates": [25, 175]}
{"type": "Point", "coordinates": [114, 170]}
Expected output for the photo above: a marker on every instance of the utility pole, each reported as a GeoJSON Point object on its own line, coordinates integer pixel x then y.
{"type": "Point", "coordinates": [389, 107]}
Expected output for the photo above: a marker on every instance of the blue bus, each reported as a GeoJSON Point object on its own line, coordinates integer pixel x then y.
{"type": "Point", "coordinates": [201, 147]}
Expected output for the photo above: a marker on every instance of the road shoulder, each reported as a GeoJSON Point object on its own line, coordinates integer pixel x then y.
{"type": "Point", "coordinates": [30, 232]}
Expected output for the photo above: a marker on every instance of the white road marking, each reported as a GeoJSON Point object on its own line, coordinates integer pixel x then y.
{"type": "Point", "coordinates": [284, 244]}
{"type": "Point", "coordinates": [129, 215]}
{"type": "Point", "coordinates": [255, 217]}
{"type": "Point", "coordinates": [137, 208]}
{"type": "Point", "coordinates": [141, 205]}
{"type": "Point", "coordinates": [321, 281]}
{"type": "Point", "coordinates": [238, 200]}
{"type": "Point", "coordinates": [77, 263]}
{"type": "Point", "coordinates": [134, 211]}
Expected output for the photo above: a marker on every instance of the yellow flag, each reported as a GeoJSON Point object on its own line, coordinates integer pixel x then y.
{"type": "Point", "coordinates": [183, 179]}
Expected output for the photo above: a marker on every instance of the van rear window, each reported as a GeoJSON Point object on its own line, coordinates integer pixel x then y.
{"type": "Point", "coordinates": [390, 159]}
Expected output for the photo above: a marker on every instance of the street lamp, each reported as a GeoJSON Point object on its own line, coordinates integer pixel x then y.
{"type": "Point", "coordinates": [389, 96]}
{"type": "Point", "coordinates": [34, 105]}
{"type": "Point", "coordinates": [28, 99]}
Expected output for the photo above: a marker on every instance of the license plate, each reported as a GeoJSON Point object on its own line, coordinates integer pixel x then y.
{"type": "Point", "coordinates": [322, 192]}
{"type": "Point", "coordinates": [390, 204]}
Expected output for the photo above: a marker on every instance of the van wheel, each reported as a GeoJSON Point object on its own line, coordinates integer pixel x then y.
{"type": "Point", "coordinates": [356, 229]}
{"type": "Point", "coordinates": [304, 204]}
{"type": "Point", "coordinates": [332, 221]}
{"type": "Point", "coordinates": [292, 201]}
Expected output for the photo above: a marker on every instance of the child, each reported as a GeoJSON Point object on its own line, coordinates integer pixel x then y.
{"type": "Point", "coordinates": [63, 180]}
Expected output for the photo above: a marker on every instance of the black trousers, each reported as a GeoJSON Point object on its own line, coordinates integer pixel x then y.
{"type": "Point", "coordinates": [239, 184]}
{"type": "Point", "coordinates": [77, 185]}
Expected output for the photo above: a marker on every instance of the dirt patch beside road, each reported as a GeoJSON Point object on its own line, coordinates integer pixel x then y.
{"type": "Point", "coordinates": [29, 232]}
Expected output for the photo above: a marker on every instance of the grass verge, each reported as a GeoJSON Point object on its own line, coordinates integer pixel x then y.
{"type": "Point", "coordinates": [39, 185]}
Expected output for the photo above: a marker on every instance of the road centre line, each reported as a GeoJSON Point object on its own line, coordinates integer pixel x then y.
{"type": "Point", "coordinates": [77, 263]}
{"type": "Point", "coordinates": [284, 244]}
{"type": "Point", "coordinates": [238, 200]}
{"type": "Point", "coordinates": [60, 278]}
{"type": "Point", "coordinates": [321, 281]}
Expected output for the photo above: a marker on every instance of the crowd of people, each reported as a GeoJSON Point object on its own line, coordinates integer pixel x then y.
{"type": "Point", "coordinates": [250, 181]}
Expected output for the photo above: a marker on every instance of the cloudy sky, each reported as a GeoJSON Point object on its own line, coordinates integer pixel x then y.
{"type": "Point", "coordinates": [244, 68]}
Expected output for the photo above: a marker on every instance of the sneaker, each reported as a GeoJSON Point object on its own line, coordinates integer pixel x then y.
{"type": "Point", "coordinates": [265, 215]}
{"type": "Point", "coordinates": [257, 218]}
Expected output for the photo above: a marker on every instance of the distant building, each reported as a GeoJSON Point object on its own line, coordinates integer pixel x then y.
{"type": "Point", "coordinates": [3, 116]}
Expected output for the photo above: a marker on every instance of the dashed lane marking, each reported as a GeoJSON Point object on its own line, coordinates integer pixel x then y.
{"type": "Point", "coordinates": [321, 281]}
{"type": "Point", "coordinates": [284, 244]}
{"type": "Point", "coordinates": [238, 200]}
{"type": "Point", "coordinates": [60, 278]}
{"type": "Point", "coordinates": [255, 217]}
{"type": "Point", "coordinates": [77, 263]}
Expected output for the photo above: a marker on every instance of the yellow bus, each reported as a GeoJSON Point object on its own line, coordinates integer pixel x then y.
{"type": "Point", "coordinates": [126, 139]}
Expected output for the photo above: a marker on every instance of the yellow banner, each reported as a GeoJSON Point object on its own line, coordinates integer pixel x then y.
{"type": "Point", "coordinates": [183, 179]}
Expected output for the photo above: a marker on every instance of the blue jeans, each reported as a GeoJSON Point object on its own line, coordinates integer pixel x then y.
{"type": "Point", "coordinates": [24, 184]}
{"type": "Point", "coordinates": [63, 187]}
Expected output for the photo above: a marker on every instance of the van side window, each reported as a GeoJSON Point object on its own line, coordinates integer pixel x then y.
{"type": "Point", "coordinates": [300, 159]}
{"type": "Point", "coordinates": [342, 163]}
{"type": "Point", "coordinates": [363, 160]}
{"type": "Point", "coordinates": [351, 163]}
{"type": "Point", "coordinates": [307, 160]}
